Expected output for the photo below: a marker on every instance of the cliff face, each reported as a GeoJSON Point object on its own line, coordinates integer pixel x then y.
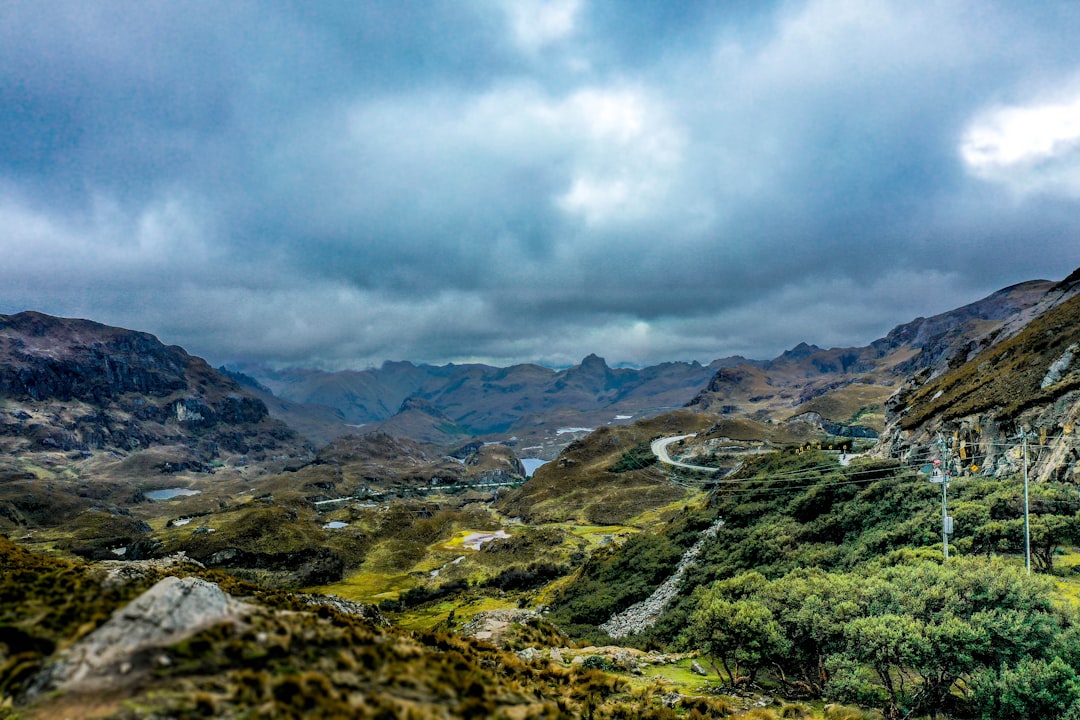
{"type": "Point", "coordinates": [78, 386]}
{"type": "Point", "coordinates": [1029, 382]}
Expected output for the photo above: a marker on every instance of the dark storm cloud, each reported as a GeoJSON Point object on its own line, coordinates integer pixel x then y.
{"type": "Point", "coordinates": [344, 183]}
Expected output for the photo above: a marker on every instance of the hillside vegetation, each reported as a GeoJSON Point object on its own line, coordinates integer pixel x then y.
{"type": "Point", "coordinates": [286, 658]}
{"type": "Point", "coordinates": [605, 479]}
{"type": "Point", "coordinates": [827, 582]}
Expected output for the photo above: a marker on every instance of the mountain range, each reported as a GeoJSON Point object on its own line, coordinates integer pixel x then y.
{"type": "Point", "coordinates": [75, 386]}
{"type": "Point", "coordinates": [450, 403]}
{"type": "Point", "coordinates": [114, 446]}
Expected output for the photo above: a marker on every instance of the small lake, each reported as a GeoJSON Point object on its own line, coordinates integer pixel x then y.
{"type": "Point", "coordinates": [169, 493]}
{"type": "Point", "coordinates": [531, 464]}
{"type": "Point", "coordinates": [335, 525]}
{"type": "Point", "coordinates": [565, 431]}
{"type": "Point", "coordinates": [473, 541]}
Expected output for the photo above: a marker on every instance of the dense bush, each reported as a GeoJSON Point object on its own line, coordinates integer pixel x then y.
{"type": "Point", "coordinates": [900, 636]}
{"type": "Point", "coordinates": [528, 577]}
{"type": "Point", "coordinates": [638, 457]}
{"type": "Point", "coordinates": [829, 580]}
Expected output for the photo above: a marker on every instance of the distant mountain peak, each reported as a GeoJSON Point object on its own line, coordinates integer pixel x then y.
{"type": "Point", "coordinates": [593, 361]}
{"type": "Point", "coordinates": [799, 352]}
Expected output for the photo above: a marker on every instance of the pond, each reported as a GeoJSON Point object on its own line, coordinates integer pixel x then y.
{"type": "Point", "coordinates": [531, 464]}
{"type": "Point", "coordinates": [169, 493]}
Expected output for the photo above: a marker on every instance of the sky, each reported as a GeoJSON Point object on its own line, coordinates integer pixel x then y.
{"type": "Point", "coordinates": [337, 184]}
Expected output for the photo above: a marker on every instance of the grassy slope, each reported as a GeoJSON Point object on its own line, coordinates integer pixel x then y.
{"type": "Point", "coordinates": [284, 661]}
{"type": "Point", "coordinates": [1006, 378]}
{"type": "Point", "coordinates": [581, 487]}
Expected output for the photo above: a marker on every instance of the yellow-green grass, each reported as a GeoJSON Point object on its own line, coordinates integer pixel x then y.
{"type": "Point", "coordinates": [369, 587]}
{"type": "Point", "coordinates": [429, 616]}
{"type": "Point", "coordinates": [679, 675]}
{"type": "Point", "coordinates": [597, 534]}
{"type": "Point", "coordinates": [457, 542]}
{"type": "Point", "coordinates": [1067, 585]}
{"type": "Point", "coordinates": [546, 594]}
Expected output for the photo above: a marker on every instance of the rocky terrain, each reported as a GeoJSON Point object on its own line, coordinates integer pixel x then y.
{"type": "Point", "coordinates": [182, 642]}
{"type": "Point", "coordinates": [1028, 381]}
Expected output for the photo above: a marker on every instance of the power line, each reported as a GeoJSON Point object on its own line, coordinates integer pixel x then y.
{"type": "Point", "coordinates": [788, 488]}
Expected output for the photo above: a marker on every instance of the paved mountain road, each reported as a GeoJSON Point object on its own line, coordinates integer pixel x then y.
{"type": "Point", "coordinates": [659, 448]}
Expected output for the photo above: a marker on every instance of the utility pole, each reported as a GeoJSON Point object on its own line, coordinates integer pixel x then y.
{"type": "Point", "coordinates": [1027, 525]}
{"type": "Point", "coordinates": [941, 475]}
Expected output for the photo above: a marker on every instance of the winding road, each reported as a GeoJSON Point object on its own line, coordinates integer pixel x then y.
{"type": "Point", "coordinates": [659, 448]}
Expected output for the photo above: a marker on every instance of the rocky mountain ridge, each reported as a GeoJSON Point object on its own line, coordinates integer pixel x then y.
{"type": "Point", "coordinates": [1026, 382]}
{"type": "Point", "coordinates": [76, 386]}
{"type": "Point", "coordinates": [848, 387]}
{"type": "Point", "coordinates": [480, 400]}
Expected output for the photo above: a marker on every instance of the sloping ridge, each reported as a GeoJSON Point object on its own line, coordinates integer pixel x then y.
{"type": "Point", "coordinates": [1029, 381]}
{"type": "Point", "coordinates": [850, 386]}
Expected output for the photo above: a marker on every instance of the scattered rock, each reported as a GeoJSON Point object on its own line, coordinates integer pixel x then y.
{"type": "Point", "coordinates": [695, 667]}
{"type": "Point", "coordinates": [493, 624]}
{"type": "Point", "coordinates": [671, 699]}
{"type": "Point", "coordinates": [118, 572]}
{"type": "Point", "coordinates": [368, 612]}
{"type": "Point", "coordinates": [645, 613]}
{"type": "Point", "coordinates": [556, 656]}
{"type": "Point", "coordinates": [222, 556]}
{"type": "Point", "coordinates": [529, 654]}
{"type": "Point", "coordinates": [625, 660]}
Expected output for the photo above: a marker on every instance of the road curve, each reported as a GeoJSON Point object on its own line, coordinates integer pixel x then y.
{"type": "Point", "coordinates": [659, 448]}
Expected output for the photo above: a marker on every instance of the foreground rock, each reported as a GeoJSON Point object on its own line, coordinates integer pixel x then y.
{"type": "Point", "coordinates": [124, 647]}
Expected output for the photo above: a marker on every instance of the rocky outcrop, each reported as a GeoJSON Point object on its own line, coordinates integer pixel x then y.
{"type": "Point", "coordinates": [491, 625]}
{"type": "Point", "coordinates": [131, 642]}
{"type": "Point", "coordinates": [348, 607]}
{"type": "Point", "coordinates": [833, 428]}
{"type": "Point", "coordinates": [80, 386]}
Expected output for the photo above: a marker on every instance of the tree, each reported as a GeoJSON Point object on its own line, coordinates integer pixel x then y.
{"type": "Point", "coordinates": [891, 646]}
{"type": "Point", "coordinates": [1033, 689]}
{"type": "Point", "coordinates": [739, 635]}
{"type": "Point", "coordinates": [1048, 532]}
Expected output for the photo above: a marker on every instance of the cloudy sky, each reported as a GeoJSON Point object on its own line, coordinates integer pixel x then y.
{"type": "Point", "coordinates": [337, 184]}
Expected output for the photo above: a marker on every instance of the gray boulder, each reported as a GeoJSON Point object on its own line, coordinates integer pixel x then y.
{"type": "Point", "coordinates": [170, 611]}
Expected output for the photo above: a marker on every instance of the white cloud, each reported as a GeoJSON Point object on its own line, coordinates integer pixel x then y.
{"type": "Point", "coordinates": [1032, 148]}
{"type": "Point", "coordinates": [628, 158]}
{"type": "Point", "coordinates": [167, 236]}
{"type": "Point", "coordinates": [609, 153]}
{"type": "Point", "coordinates": [539, 23]}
